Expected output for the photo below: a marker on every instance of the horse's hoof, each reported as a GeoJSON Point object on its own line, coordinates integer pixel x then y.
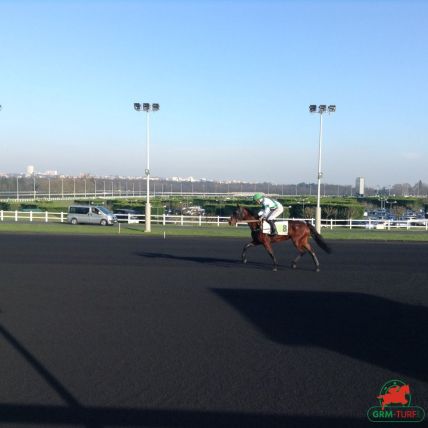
{"type": "Point", "coordinates": [244, 261]}
{"type": "Point", "coordinates": [293, 266]}
{"type": "Point", "coordinates": [275, 269]}
{"type": "Point", "coordinates": [317, 269]}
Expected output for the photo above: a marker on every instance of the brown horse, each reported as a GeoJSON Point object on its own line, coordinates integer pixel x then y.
{"type": "Point", "coordinates": [298, 231]}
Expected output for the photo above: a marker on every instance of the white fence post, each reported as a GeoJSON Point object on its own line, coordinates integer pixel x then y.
{"type": "Point", "coordinates": [331, 223]}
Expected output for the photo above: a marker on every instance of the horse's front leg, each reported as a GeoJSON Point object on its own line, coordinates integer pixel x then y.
{"type": "Point", "coordinates": [272, 255]}
{"type": "Point", "coordinates": [244, 251]}
{"type": "Point", "coordinates": [275, 263]}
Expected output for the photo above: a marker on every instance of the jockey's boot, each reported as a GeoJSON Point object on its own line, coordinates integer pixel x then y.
{"type": "Point", "coordinates": [273, 227]}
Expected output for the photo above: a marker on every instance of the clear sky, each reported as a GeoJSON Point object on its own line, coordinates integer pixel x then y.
{"type": "Point", "coordinates": [234, 80]}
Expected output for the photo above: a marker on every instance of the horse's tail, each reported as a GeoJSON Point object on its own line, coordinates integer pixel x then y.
{"type": "Point", "coordinates": [318, 238]}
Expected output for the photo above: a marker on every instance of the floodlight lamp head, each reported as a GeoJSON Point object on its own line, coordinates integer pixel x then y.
{"type": "Point", "coordinates": [331, 108]}
{"type": "Point", "coordinates": [155, 107]}
{"type": "Point", "coordinates": [312, 108]}
{"type": "Point", "coordinates": [146, 106]}
{"type": "Point", "coordinates": [137, 106]}
{"type": "Point", "coordinates": [322, 108]}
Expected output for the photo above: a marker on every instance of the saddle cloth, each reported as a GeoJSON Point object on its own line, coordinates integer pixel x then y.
{"type": "Point", "coordinates": [281, 227]}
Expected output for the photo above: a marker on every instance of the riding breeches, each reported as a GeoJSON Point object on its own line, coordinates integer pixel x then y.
{"type": "Point", "coordinates": [275, 213]}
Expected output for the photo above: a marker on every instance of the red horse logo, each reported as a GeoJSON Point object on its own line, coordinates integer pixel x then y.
{"type": "Point", "coordinates": [395, 395]}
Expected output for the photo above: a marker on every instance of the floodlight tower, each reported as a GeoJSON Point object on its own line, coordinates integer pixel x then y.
{"type": "Point", "coordinates": [321, 110]}
{"type": "Point", "coordinates": [147, 107]}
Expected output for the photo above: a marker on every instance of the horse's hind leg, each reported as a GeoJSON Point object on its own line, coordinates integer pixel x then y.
{"type": "Point", "coordinates": [300, 247]}
{"type": "Point", "coordinates": [314, 256]}
{"type": "Point", "coordinates": [268, 248]}
{"type": "Point", "coordinates": [294, 262]}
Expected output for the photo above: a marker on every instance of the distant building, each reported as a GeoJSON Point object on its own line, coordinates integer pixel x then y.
{"type": "Point", "coordinates": [359, 186]}
{"type": "Point", "coordinates": [52, 173]}
{"type": "Point", "coordinates": [190, 179]}
{"type": "Point", "coordinates": [30, 171]}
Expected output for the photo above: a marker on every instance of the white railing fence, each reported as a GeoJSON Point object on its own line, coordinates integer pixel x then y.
{"type": "Point", "coordinates": [183, 220]}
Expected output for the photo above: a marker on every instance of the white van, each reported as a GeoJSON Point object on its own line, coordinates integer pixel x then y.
{"type": "Point", "coordinates": [85, 214]}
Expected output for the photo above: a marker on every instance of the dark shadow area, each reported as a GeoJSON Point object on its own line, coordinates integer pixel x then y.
{"type": "Point", "coordinates": [215, 261]}
{"type": "Point", "coordinates": [125, 417]}
{"type": "Point", "coordinates": [74, 413]}
{"type": "Point", "coordinates": [40, 369]}
{"type": "Point", "coordinates": [73, 404]}
{"type": "Point", "coordinates": [383, 332]}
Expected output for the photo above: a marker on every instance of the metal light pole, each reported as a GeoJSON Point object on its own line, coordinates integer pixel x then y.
{"type": "Point", "coordinates": [321, 110]}
{"type": "Point", "coordinates": [147, 107]}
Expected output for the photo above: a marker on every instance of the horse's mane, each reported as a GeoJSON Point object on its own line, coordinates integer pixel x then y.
{"type": "Point", "coordinates": [250, 210]}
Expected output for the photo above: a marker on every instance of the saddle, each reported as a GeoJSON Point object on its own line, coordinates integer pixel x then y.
{"type": "Point", "coordinates": [281, 227]}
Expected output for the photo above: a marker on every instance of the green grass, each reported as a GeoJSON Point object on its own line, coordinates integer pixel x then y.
{"type": "Point", "coordinates": [209, 231]}
{"type": "Point", "coordinates": [55, 228]}
{"type": "Point", "coordinates": [376, 235]}
{"type": "Point", "coordinates": [125, 229]}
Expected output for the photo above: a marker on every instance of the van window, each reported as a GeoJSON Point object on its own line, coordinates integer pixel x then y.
{"type": "Point", "coordinates": [95, 210]}
{"type": "Point", "coordinates": [79, 210]}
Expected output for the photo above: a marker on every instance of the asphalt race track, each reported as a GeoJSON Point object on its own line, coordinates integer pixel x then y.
{"type": "Point", "coordinates": [147, 332]}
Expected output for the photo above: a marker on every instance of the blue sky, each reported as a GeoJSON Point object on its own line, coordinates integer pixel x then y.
{"type": "Point", "coordinates": [234, 80]}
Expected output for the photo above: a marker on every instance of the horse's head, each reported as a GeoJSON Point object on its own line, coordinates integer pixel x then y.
{"type": "Point", "coordinates": [405, 389]}
{"type": "Point", "coordinates": [240, 214]}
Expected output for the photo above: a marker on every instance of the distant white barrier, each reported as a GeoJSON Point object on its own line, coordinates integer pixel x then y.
{"type": "Point", "coordinates": [199, 221]}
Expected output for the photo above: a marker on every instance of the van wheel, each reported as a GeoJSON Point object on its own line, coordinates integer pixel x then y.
{"type": "Point", "coordinates": [103, 222]}
{"type": "Point", "coordinates": [74, 221]}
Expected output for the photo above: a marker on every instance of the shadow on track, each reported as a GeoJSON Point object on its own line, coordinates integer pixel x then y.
{"type": "Point", "coordinates": [75, 413]}
{"type": "Point", "coordinates": [214, 261]}
{"type": "Point", "coordinates": [383, 332]}
{"type": "Point", "coordinates": [174, 418]}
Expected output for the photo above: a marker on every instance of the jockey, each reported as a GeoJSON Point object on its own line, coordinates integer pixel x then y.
{"type": "Point", "coordinates": [271, 209]}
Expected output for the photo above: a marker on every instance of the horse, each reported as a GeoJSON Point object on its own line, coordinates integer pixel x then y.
{"type": "Point", "coordinates": [298, 231]}
{"type": "Point", "coordinates": [395, 395]}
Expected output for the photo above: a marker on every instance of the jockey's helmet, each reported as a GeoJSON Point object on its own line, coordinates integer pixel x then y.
{"type": "Point", "coordinates": [257, 197]}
